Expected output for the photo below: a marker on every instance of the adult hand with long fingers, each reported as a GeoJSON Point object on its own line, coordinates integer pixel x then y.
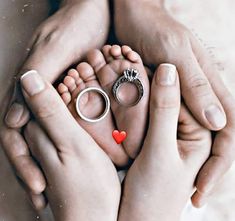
{"type": "Point", "coordinates": [59, 42]}
{"type": "Point", "coordinates": [80, 176]}
{"type": "Point", "coordinates": [160, 38]}
{"type": "Point", "coordinates": [161, 180]}
{"type": "Point", "coordinates": [223, 150]}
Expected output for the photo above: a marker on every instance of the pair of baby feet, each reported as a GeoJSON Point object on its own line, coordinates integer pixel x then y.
{"type": "Point", "coordinates": [162, 159]}
{"type": "Point", "coordinates": [101, 70]}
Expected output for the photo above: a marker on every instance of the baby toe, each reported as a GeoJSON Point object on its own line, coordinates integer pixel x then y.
{"type": "Point", "coordinates": [66, 97]}
{"type": "Point", "coordinates": [96, 59]}
{"type": "Point", "coordinates": [125, 50]}
{"type": "Point", "coordinates": [116, 52]}
{"type": "Point", "coordinates": [70, 83]}
{"type": "Point", "coordinates": [133, 57]}
{"type": "Point", "coordinates": [86, 72]}
{"type": "Point", "coordinates": [106, 52]}
{"type": "Point", "coordinates": [64, 93]}
{"type": "Point", "coordinates": [74, 74]}
{"type": "Point", "coordinates": [62, 88]}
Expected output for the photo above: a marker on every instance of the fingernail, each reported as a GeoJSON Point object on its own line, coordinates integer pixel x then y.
{"type": "Point", "coordinates": [166, 75]}
{"type": "Point", "coordinates": [14, 114]}
{"type": "Point", "coordinates": [215, 116]}
{"type": "Point", "coordinates": [32, 83]}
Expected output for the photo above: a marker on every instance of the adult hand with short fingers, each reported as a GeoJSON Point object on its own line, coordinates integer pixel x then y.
{"type": "Point", "coordinates": [60, 41]}
{"type": "Point", "coordinates": [159, 38]}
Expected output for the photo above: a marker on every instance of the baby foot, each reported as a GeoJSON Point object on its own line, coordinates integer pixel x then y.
{"type": "Point", "coordinates": [109, 66]}
{"type": "Point", "coordinates": [91, 105]}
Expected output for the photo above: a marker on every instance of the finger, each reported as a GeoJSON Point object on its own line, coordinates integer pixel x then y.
{"type": "Point", "coordinates": [39, 201]}
{"type": "Point", "coordinates": [211, 71]}
{"type": "Point", "coordinates": [223, 155]}
{"type": "Point", "coordinates": [41, 147]}
{"type": "Point", "coordinates": [17, 151]}
{"type": "Point", "coordinates": [164, 106]}
{"type": "Point", "coordinates": [50, 111]}
{"type": "Point", "coordinates": [223, 151]}
{"type": "Point", "coordinates": [189, 129]}
{"type": "Point", "coordinates": [18, 114]}
{"type": "Point", "coordinates": [199, 95]}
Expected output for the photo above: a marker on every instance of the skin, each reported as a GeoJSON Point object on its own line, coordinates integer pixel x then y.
{"type": "Point", "coordinates": [227, 131]}
{"type": "Point", "coordinates": [199, 78]}
{"type": "Point", "coordinates": [56, 147]}
{"type": "Point", "coordinates": [49, 57]}
{"type": "Point", "coordinates": [104, 68]}
{"type": "Point", "coordinates": [161, 179]}
{"type": "Point", "coordinates": [14, 203]}
{"type": "Point", "coordinates": [70, 159]}
{"type": "Point", "coordinates": [91, 105]}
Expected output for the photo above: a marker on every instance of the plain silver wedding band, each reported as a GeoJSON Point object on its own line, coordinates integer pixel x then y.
{"type": "Point", "coordinates": [107, 104]}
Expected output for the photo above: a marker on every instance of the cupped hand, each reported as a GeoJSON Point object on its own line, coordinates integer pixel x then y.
{"type": "Point", "coordinates": [161, 180]}
{"type": "Point", "coordinates": [60, 41]}
{"type": "Point", "coordinates": [82, 182]}
{"type": "Point", "coordinates": [160, 38]}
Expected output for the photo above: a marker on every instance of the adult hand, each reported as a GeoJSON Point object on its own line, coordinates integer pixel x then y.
{"type": "Point", "coordinates": [203, 91]}
{"type": "Point", "coordinates": [59, 42]}
{"type": "Point", "coordinates": [80, 176]}
{"type": "Point", "coordinates": [161, 180]}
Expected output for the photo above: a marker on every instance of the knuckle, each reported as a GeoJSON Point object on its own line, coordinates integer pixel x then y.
{"type": "Point", "coordinates": [55, 37]}
{"type": "Point", "coordinates": [174, 41]}
{"type": "Point", "coordinates": [43, 29]}
{"type": "Point", "coordinates": [178, 39]}
{"type": "Point", "coordinates": [9, 137]}
{"type": "Point", "coordinates": [51, 37]}
{"type": "Point", "coordinates": [197, 85]}
{"type": "Point", "coordinates": [46, 105]}
{"type": "Point", "coordinates": [14, 146]}
{"type": "Point", "coordinates": [48, 37]}
{"type": "Point", "coordinates": [46, 111]}
{"type": "Point", "coordinates": [165, 102]}
{"type": "Point", "coordinates": [199, 82]}
{"type": "Point", "coordinates": [224, 161]}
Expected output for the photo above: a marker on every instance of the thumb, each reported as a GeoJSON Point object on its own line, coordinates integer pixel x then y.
{"type": "Point", "coordinates": [165, 106]}
{"type": "Point", "coordinates": [49, 109]}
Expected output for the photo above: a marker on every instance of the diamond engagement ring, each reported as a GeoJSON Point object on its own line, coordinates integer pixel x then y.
{"type": "Point", "coordinates": [129, 76]}
{"type": "Point", "coordinates": [107, 104]}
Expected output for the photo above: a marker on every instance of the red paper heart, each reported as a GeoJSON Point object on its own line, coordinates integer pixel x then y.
{"type": "Point", "coordinates": [118, 136]}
